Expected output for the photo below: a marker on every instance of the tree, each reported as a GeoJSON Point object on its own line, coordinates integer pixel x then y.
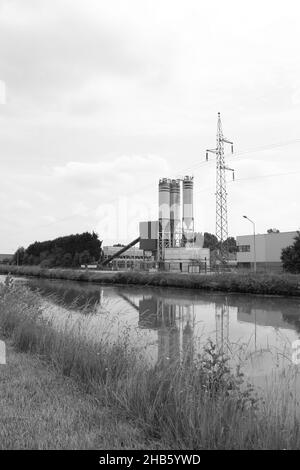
{"type": "Point", "coordinates": [64, 251]}
{"type": "Point", "coordinates": [210, 241]}
{"type": "Point", "coordinates": [75, 262]}
{"type": "Point", "coordinates": [19, 256]}
{"type": "Point", "coordinates": [290, 256]}
{"type": "Point", "coordinates": [47, 263]}
{"type": "Point", "coordinates": [31, 260]}
{"type": "Point", "coordinates": [231, 245]}
{"type": "Point", "coordinates": [67, 260]}
{"type": "Point", "coordinates": [84, 257]}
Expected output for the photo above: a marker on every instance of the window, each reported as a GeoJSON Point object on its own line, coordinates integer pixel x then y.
{"type": "Point", "coordinates": [244, 248]}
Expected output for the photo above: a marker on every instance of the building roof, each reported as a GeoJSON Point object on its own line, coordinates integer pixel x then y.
{"type": "Point", "coordinates": [267, 234]}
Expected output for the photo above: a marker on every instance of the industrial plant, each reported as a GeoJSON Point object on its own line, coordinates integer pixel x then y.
{"type": "Point", "coordinates": [172, 239]}
{"type": "Point", "coordinates": [170, 242]}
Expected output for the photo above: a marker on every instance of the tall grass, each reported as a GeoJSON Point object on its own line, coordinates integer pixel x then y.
{"type": "Point", "coordinates": [252, 283]}
{"type": "Point", "coordinates": [195, 403]}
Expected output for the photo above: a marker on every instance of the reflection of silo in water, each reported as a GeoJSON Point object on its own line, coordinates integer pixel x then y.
{"type": "Point", "coordinates": [222, 327]}
{"type": "Point", "coordinates": [174, 337]}
{"type": "Point", "coordinates": [187, 209]}
{"type": "Point", "coordinates": [168, 335]}
{"type": "Point", "coordinates": [174, 322]}
{"type": "Point", "coordinates": [175, 215]}
{"type": "Point", "coordinates": [148, 313]}
{"type": "Point", "coordinates": [187, 342]}
{"type": "Point", "coordinates": [162, 335]}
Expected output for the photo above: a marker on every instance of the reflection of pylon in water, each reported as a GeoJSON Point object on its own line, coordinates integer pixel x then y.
{"type": "Point", "coordinates": [222, 327]}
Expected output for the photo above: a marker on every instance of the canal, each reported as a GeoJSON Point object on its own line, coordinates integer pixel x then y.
{"type": "Point", "coordinates": [166, 323]}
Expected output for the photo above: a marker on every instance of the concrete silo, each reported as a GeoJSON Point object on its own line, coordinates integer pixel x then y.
{"type": "Point", "coordinates": [175, 213]}
{"type": "Point", "coordinates": [187, 209]}
{"type": "Point", "coordinates": [164, 213]}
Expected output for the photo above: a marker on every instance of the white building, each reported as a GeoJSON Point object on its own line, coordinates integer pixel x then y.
{"type": "Point", "coordinates": [268, 247]}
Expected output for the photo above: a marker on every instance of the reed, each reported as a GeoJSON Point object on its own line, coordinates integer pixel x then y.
{"type": "Point", "coordinates": [195, 403]}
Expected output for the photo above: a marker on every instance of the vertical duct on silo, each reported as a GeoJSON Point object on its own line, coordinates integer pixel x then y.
{"type": "Point", "coordinates": [163, 216]}
{"type": "Point", "coordinates": [175, 215]}
{"type": "Point", "coordinates": [187, 209]}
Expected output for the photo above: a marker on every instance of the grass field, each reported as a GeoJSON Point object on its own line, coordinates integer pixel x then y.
{"type": "Point", "coordinates": [192, 404]}
{"type": "Point", "coordinates": [250, 283]}
{"type": "Point", "coordinates": [42, 409]}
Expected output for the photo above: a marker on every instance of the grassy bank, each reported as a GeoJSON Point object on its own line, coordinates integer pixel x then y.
{"type": "Point", "coordinates": [196, 403]}
{"type": "Point", "coordinates": [250, 283]}
{"type": "Point", "coordinates": [42, 409]}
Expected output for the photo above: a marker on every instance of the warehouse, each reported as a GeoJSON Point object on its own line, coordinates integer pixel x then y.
{"type": "Point", "coordinates": [265, 249]}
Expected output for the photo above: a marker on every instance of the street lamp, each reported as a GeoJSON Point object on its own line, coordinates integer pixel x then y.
{"type": "Point", "coordinates": [254, 248]}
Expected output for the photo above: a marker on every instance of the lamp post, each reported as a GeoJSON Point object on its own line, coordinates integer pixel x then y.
{"type": "Point", "coordinates": [254, 248]}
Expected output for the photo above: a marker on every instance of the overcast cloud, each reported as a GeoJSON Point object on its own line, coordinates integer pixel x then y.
{"type": "Point", "coordinates": [104, 97]}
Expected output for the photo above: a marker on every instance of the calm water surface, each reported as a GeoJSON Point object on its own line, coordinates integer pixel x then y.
{"type": "Point", "coordinates": [167, 322]}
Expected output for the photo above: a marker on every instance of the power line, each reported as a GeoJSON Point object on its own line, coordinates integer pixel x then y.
{"type": "Point", "coordinates": [221, 194]}
{"type": "Point", "coordinates": [196, 165]}
{"type": "Point", "coordinates": [269, 175]}
{"type": "Point", "coordinates": [230, 156]}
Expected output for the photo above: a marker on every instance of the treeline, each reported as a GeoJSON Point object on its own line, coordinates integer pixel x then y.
{"type": "Point", "coordinates": [69, 251]}
{"type": "Point", "coordinates": [211, 242]}
{"type": "Point", "coordinates": [290, 256]}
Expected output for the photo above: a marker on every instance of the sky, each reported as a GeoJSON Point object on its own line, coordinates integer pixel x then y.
{"type": "Point", "coordinates": [99, 99]}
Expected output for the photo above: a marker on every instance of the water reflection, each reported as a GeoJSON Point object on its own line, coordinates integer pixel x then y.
{"type": "Point", "coordinates": [174, 324]}
{"type": "Point", "coordinates": [179, 321]}
{"type": "Point", "coordinates": [68, 293]}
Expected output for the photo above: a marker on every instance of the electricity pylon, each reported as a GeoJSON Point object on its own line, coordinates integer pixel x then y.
{"type": "Point", "coordinates": [221, 194]}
